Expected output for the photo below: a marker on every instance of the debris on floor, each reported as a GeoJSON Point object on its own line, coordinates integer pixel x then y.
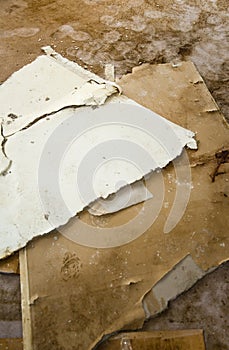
{"type": "Point", "coordinates": [94, 292]}
{"type": "Point", "coordinates": [67, 145]}
{"type": "Point", "coordinates": [124, 259]}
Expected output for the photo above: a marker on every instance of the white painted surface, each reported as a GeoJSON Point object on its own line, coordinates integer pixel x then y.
{"type": "Point", "coordinates": [63, 162]}
{"type": "Point", "coordinates": [124, 198]}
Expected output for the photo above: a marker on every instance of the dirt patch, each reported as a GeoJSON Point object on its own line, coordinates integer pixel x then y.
{"type": "Point", "coordinates": [124, 33]}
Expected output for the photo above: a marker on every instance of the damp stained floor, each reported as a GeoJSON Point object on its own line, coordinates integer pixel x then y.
{"type": "Point", "coordinates": [204, 306]}
{"type": "Point", "coordinates": [126, 34]}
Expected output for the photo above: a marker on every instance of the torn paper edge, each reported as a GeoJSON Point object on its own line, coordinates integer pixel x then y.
{"type": "Point", "coordinates": [78, 90]}
{"type": "Point", "coordinates": [126, 197]}
{"type": "Point", "coordinates": [76, 68]}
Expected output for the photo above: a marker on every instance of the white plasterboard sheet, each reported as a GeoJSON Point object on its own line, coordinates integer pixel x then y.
{"type": "Point", "coordinates": [44, 87]}
{"type": "Point", "coordinates": [54, 172]}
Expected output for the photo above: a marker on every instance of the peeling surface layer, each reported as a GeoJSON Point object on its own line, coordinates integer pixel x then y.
{"type": "Point", "coordinates": [38, 90]}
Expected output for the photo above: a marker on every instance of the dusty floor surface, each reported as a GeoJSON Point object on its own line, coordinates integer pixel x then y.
{"type": "Point", "coordinates": [124, 33]}
{"type": "Point", "coordinates": [204, 306]}
{"type": "Point", "coordinates": [127, 33]}
{"type": "Point", "coordinates": [10, 306]}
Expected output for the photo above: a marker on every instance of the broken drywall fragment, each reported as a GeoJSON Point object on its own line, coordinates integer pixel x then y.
{"type": "Point", "coordinates": [175, 282]}
{"type": "Point", "coordinates": [38, 90]}
{"type": "Point", "coordinates": [76, 155]}
{"type": "Point", "coordinates": [80, 71]}
{"type": "Point", "coordinates": [101, 307]}
{"type": "Point", "coordinates": [124, 198]}
{"type": "Point", "coordinates": [109, 72]}
{"type": "Point", "coordinates": [33, 186]}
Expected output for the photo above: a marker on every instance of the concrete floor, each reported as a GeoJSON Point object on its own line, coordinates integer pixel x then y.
{"type": "Point", "coordinates": [125, 33]}
{"type": "Point", "coordinates": [10, 306]}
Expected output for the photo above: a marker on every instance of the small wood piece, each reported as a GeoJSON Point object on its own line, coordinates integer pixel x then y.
{"type": "Point", "coordinates": [163, 340]}
{"type": "Point", "coordinates": [10, 264]}
{"type": "Point", "coordinates": [11, 344]}
{"type": "Point", "coordinates": [25, 302]}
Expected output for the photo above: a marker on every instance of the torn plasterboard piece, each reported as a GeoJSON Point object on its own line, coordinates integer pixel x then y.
{"type": "Point", "coordinates": [45, 87]}
{"type": "Point", "coordinates": [94, 292]}
{"type": "Point", "coordinates": [73, 67]}
{"type": "Point", "coordinates": [124, 198]}
{"type": "Point", "coordinates": [109, 72]}
{"type": "Point", "coordinates": [72, 156]}
{"type": "Point", "coordinates": [175, 282]}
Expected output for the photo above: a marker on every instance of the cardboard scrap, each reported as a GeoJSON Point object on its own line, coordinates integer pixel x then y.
{"type": "Point", "coordinates": [11, 344]}
{"type": "Point", "coordinates": [71, 156]}
{"type": "Point", "coordinates": [75, 294]}
{"type": "Point", "coordinates": [191, 339]}
{"type": "Point", "coordinates": [182, 277]}
{"type": "Point", "coordinates": [10, 264]}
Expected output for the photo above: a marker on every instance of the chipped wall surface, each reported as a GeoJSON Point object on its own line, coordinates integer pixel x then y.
{"type": "Point", "coordinates": [124, 33]}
